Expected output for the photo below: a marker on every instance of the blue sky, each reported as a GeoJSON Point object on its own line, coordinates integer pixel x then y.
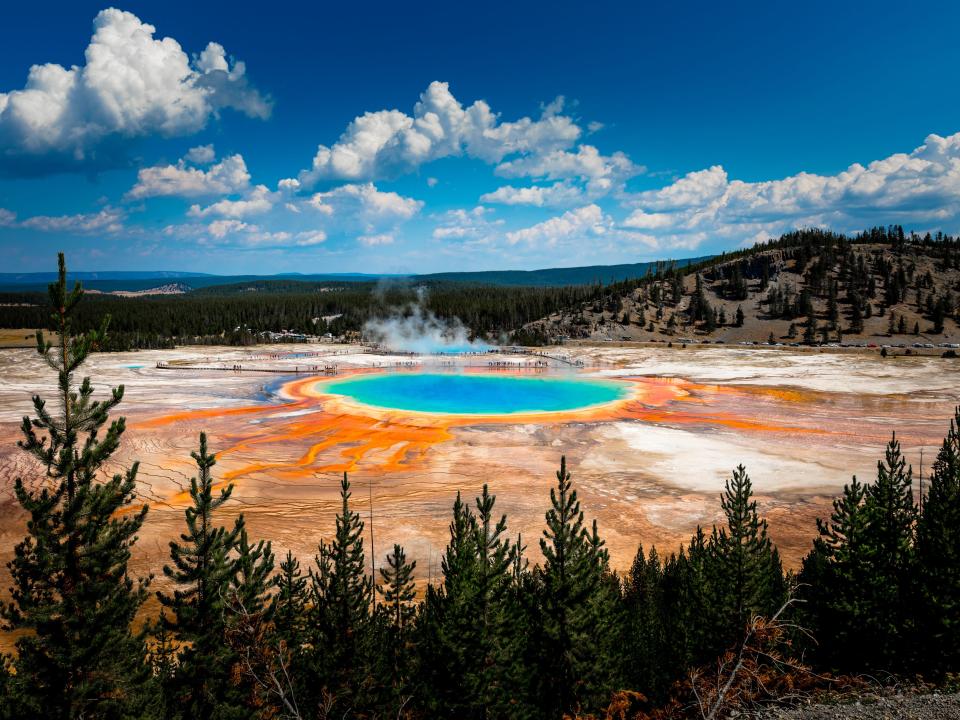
{"type": "Point", "coordinates": [442, 136]}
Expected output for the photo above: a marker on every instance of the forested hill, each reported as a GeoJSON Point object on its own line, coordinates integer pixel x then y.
{"type": "Point", "coordinates": [811, 286]}
{"type": "Point", "coordinates": [248, 313]}
{"type": "Point", "coordinates": [253, 309]}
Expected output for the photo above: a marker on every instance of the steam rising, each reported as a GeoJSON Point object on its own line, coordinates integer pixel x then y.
{"type": "Point", "coordinates": [416, 329]}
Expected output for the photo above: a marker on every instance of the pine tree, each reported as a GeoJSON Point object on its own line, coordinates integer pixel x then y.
{"type": "Point", "coordinates": [646, 649]}
{"type": "Point", "coordinates": [289, 603]}
{"type": "Point", "coordinates": [398, 591]}
{"type": "Point", "coordinates": [447, 632]}
{"type": "Point", "coordinates": [829, 582]}
{"type": "Point", "coordinates": [163, 661]}
{"type": "Point", "coordinates": [605, 618]}
{"type": "Point", "coordinates": [810, 331]}
{"type": "Point", "coordinates": [859, 579]}
{"type": "Point", "coordinates": [500, 674]}
{"type": "Point", "coordinates": [688, 615]}
{"type": "Point", "coordinates": [938, 548]}
{"type": "Point", "coordinates": [342, 595]}
{"type": "Point", "coordinates": [72, 596]}
{"type": "Point", "coordinates": [571, 659]}
{"type": "Point", "coordinates": [203, 571]}
{"type": "Point", "coordinates": [250, 631]}
{"type": "Point", "coordinates": [889, 549]}
{"type": "Point", "coordinates": [252, 580]}
{"type": "Point", "coordinates": [748, 572]}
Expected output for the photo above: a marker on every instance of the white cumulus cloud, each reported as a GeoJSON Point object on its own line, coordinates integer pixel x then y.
{"type": "Point", "coordinates": [228, 176]}
{"type": "Point", "coordinates": [374, 240]}
{"type": "Point", "coordinates": [473, 226]}
{"type": "Point", "coordinates": [561, 193]}
{"type": "Point", "coordinates": [366, 202]}
{"type": "Point", "coordinates": [580, 223]}
{"type": "Point", "coordinates": [586, 163]}
{"type": "Point", "coordinates": [201, 155]}
{"type": "Point", "coordinates": [108, 220]}
{"type": "Point", "coordinates": [131, 85]}
{"type": "Point", "coordinates": [259, 200]}
{"type": "Point", "coordinates": [919, 189]}
{"type": "Point", "coordinates": [389, 142]}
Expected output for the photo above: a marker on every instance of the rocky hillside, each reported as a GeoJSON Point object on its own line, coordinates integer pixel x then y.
{"type": "Point", "coordinates": [812, 287]}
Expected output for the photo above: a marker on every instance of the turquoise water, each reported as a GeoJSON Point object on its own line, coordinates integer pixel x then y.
{"type": "Point", "coordinates": [476, 394]}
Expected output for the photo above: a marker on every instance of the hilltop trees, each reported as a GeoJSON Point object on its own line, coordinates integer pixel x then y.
{"type": "Point", "coordinates": [73, 599]}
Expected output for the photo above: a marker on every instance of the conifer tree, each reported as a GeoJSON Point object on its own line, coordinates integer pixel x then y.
{"type": "Point", "coordinates": [830, 580]}
{"type": "Point", "coordinates": [938, 548]}
{"type": "Point", "coordinates": [250, 631]}
{"type": "Point", "coordinates": [859, 579]}
{"type": "Point", "coordinates": [72, 597]}
{"type": "Point", "coordinates": [748, 572]}
{"type": "Point", "coordinates": [646, 650]}
{"type": "Point", "coordinates": [889, 546]}
{"type": "Point", "coordinates": [572, 575]}
{"type": "Point", "coordinates": [398, 588]}
{"type": "Point", "coordinates": [289, 603]}
{"type": "Point", "coordinates": [606, 618]}
{"type": "Point", "coordinates": [448, 635]}
{"type": "Point", "coordinates": [203, 571]}
{"type": "Point", "coordinates": [397, 611]}
{"type": "Point", "coordinates": [499, 677]}
{"type": "Point", "coordinates": [810, 331]}
{"type": "Point", "coordinates": [163, 661]}
{"type": "Point", "coordinates": [341, 589]}
{"type": "Point", "coordinates": [252, 579]}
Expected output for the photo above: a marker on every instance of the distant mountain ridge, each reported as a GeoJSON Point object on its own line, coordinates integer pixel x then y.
{"type": "Point", "coordinates": [582, 275]}
{"type": "Point", "coordinates": [138, 280]}
{"type": "Point", "coordinates": [35, 277]}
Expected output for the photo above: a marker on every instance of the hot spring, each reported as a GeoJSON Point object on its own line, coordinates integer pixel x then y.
{"type": "Point", "coordinates": [475, 394]}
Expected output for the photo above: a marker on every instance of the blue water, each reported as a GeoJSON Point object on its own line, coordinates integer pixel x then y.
{"type": "Point", "coordinates": [476, 394]}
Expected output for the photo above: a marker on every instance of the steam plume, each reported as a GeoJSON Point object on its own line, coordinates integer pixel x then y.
{"type": "Point", "coordinates": [418, 330]}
